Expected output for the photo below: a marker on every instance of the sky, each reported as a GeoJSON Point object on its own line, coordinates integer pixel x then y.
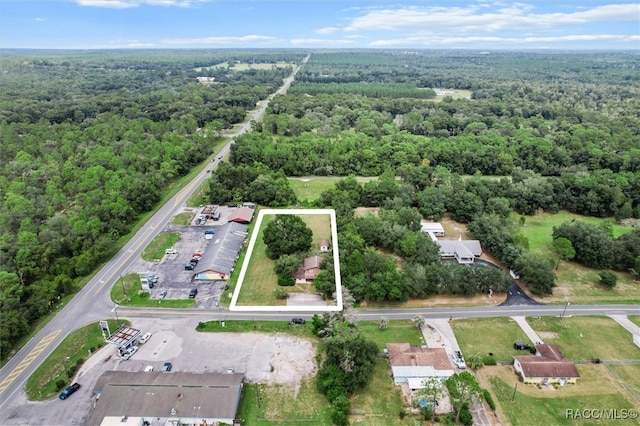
{"type": "Point", "coordinates": [399, 24]}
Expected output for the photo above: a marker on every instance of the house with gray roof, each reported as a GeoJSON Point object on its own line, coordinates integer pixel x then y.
{"type": "Point", "coordinates": [220, 256]}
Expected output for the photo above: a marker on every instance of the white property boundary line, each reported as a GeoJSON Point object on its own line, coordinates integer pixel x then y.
{"type": "Point", "coordinates": [298, 308]}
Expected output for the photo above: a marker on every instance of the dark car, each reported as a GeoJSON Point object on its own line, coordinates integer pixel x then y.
{"type": "Point", "coordinates": [521, 346]}
{"type": "Point", "coordinates": [194, 261]}
{"type": "Point", "coordinates": [232, 205]}
{"type": "Point", "coordinates": [297, 320]}
{"type": "Point", "coordinates": [188, 267]}
{"type": "Point", "coordinates": [69, 391]}
{"type": "Point", "coordinates": [193, 293]}
{"type": "Point", "coordinates": [166, 367]}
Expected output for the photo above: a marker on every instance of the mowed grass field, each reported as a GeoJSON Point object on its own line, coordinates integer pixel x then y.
{"type": "Point", "coordinates": [309, 188]}
{"type": "Point", "coordinates": [482, 336]}
{"type": "Point", "coordinates": [577, 283]}
{"type": "Point", "coordinates": [260, 280]}
{"type": "Point", "coordinates": [530, 405]}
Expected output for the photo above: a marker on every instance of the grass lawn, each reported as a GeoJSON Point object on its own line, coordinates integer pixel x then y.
{"type": "Point", "coordinates": [250, 326]}
{"type": "Point", "coordinates": [629, 374]}
{"type": "Point", "coordinates": [155, 249]}
{"type": "Point", "coordinates": [481, 336]}
{"type": "Point", "coordinates": [634, 319]}
{"type": "Point", "coordinates": [182, 219]}
{"type": "Point", "coordinates": [65, 360]}
{"type": "Point", "coordinates": [579, 284]}
{"type": "Point", "coordinates": [126, 292]}
{"type": "Point", "coordinates": [454, 93]}
{"type": "Point", "coordinates": [585, 338]}
{"type": "Point", "coordinates": [309, 188]}
{"type": "Point", "coordinates": [280, 404]}
{"type": "Point", "coordinates": [380, 403]}
{"type": "Point", "coordinates": [596, 389]}
{"type": "Point", "coordinates": [398, 331]}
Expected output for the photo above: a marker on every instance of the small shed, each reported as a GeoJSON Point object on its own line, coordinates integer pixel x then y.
{"type": "Point", "coordinates": [324, 245]}
{"type": "Point", "coordinates": [432, 227]}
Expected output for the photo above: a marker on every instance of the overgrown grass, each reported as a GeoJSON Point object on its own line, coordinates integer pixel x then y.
{"type": "Point", "coordinates": [586, 337]}
{"type": "Point", "coordinates": [482, 336]}
{"type": "Point", "coordinates": [380, 403]}
{"type": "Point", "coordinates": [575, 281]}
{"type": "Point", "coordinates": [279, 404]}
{"type": "Point", "coordinates": [397, 331]}
{"type": "Point", "coordinates": [62, 364]}
{"type": "Point", "coordinates": [155, 250]}
{"type": "Point", "coordinates": [596, 388]}
{"type": "Point", "coordinates": [539, 228]}
{"type": "Point", "coordinates": [127, 292]}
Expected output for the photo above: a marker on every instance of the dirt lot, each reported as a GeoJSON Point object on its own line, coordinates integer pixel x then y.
{"type": "Point", "coordinates": [263, 358]}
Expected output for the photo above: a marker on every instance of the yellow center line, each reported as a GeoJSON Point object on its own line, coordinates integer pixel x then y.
{"type": "Point", "coordinates": [37, 350]}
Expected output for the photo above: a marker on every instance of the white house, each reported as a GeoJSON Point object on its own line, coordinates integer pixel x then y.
{"type": "Point", "coordinates": [414, 364]}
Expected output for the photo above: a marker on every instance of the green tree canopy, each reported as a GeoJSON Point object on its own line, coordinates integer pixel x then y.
{"type": "Point", "coordinates": [287, 234]}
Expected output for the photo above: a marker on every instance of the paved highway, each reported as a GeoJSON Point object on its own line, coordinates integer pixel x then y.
{"type": "Point", "coordinates": [93, 303]}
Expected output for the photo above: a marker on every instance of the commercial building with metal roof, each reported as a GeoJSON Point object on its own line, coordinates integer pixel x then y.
{"type": "Point", "coordinates": [156, 398]}
{"type": "Point", "coordinates": [220, 256]}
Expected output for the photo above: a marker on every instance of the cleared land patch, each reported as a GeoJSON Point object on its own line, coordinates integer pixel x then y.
{"type": "Point", "coordinates": [254, 273]}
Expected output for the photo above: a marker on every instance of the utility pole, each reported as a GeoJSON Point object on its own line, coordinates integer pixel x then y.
{"type": "Point", "coordinates": [514, 392]}
{"type": "Point", "coordinates": [124, 293]}
{"type": "Point", "coordinates": [565, 310]}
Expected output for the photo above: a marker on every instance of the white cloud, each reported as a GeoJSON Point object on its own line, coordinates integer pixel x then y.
{"type": "Point", "coordinates": [320, 42]}
{"type": "Point", "coordinates": [500, 41]}
{"type": "Point", "coordinates": [223, 40]}
{"type": "Point", "coordinates": [39, 19]}
{"type": "Point", "coordinates": [125, 4]}
{"type": "Point", "coordinates": [327, 30]}
{"type": "Point", "coordinates": [515, 16]}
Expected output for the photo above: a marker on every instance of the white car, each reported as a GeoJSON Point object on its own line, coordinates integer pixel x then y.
{"type": "Point", "coordinates": [144, 338]}
{"type": "Point", "coordinates": [148, 369]}
{"type": "Point", "coordinates": [129, 353]}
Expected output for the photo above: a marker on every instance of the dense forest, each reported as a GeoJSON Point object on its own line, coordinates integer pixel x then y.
{"type": "Point", "coordinates": [89, 142]}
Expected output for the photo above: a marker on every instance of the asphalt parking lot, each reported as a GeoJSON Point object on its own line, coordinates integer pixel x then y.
{"type": "Point", "coordinates": [173, 280]}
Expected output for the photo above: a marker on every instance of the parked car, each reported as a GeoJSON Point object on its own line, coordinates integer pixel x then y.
{"type": "Point", "coordinates": [232, 205]}
{"type": "Point", "coordinates": [163, 294]}
{"type": "Point", "coordinates": [521, 346]}
{"type": "Point", "coordinates": [148, 369]}
{"type": "Point", "coordinates": [166, 367]}
{"type": "Point", "coordinates": [193, 293]}
{"type": "Point", "coordinates": [194, 261]}
{"type": "Point", "coordinates": [170, 251]}
{"type": "Point", "coordinates": [129, 352]}
{"type": "Point", "coordinates": [196, 255]}
{"type": "Point", "coordinates": [298, 321]}
{"type": "Point", "coordinates": [144, 338]}
{"type": "Point", "coordinates": [188, 267]}
{"type": "Point", "coordinates": [69, 391]}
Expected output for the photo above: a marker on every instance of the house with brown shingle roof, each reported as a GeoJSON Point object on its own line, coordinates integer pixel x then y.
{"type": "Point", "coordinates": [309, 269]}
{"type": "Point", "coordinates": [548, 365]}
{"type": "Point", "coordinates": [413, 364]}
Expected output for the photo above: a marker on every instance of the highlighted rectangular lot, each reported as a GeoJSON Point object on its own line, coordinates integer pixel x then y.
{"type": "Point", "coordinates": [247, 263]}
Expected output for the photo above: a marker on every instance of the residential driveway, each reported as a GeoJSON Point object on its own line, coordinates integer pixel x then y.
{"type": "Point", "coordinates": [438, 333]}
{"type": "Point", "coordinates": [524, 325]}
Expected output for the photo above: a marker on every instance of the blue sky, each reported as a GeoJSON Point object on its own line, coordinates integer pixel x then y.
{"type": "Point", "coordinates": [438, 24]}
